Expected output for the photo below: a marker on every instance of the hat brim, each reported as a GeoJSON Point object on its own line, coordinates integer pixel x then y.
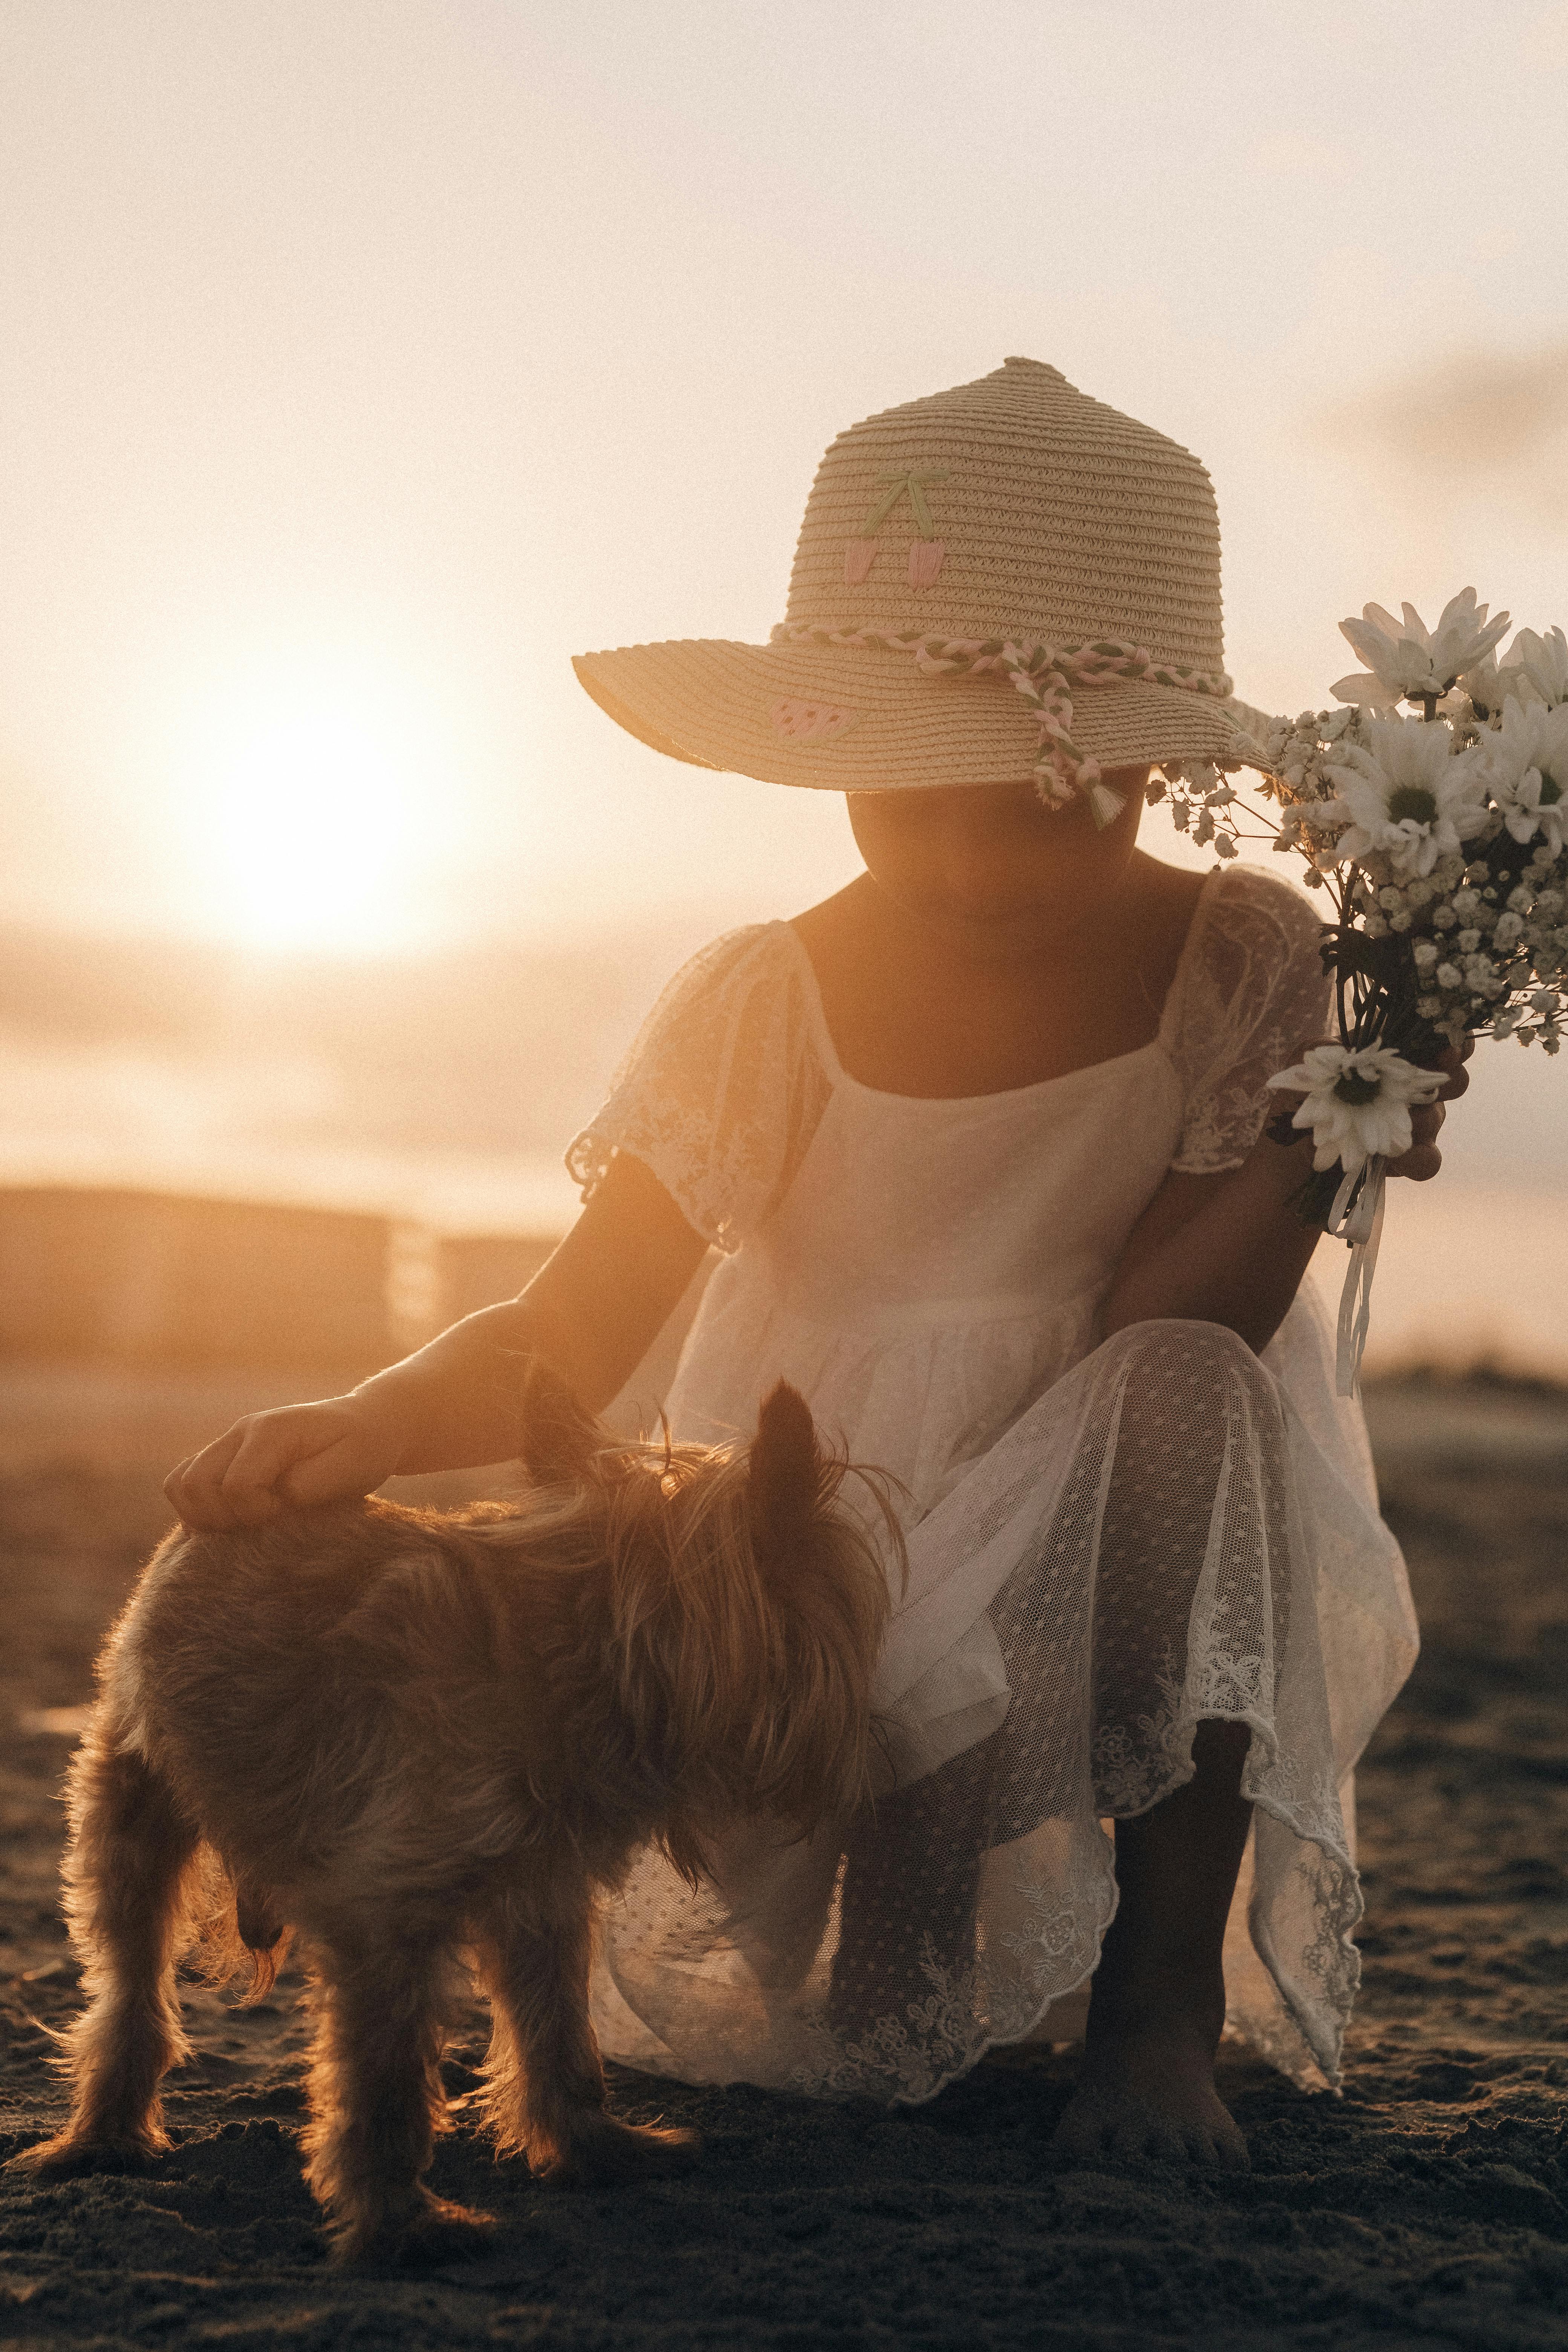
{"type": "Point", "coordinates": [848, 719]}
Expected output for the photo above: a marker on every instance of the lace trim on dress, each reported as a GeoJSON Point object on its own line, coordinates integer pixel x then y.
{"type": "Point", "coordinates": [1251, 992]}
{"type": "Point", "coordinates": [722, 1090]}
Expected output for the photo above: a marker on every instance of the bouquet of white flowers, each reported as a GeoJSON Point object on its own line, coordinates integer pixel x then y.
{"type": "Point", "coordinates": [1442, 841]}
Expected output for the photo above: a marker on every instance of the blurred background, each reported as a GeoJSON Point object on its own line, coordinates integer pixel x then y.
{"type": "Point", "coordinates": [363, 361]}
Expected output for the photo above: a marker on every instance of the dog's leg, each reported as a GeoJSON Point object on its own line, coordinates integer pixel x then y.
{"type": "Point", "coordinates": [380, 1997]}
{"type": "Point", "coordinates": [125, 1876]}
{"type": "Point", "coordinates": [544, 2094]}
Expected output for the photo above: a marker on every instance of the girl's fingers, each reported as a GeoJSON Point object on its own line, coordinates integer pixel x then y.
{"type": "Point", "coordinates": [1423, 1159]}
{"type": "Point", "coordinates": [272, 1445]}
{"type": "Point", "coordinates": [301, 1454]}
{"type": "Point", "coordinates": [1458, 1077]}
{"type": "Point", "coordinates": [196, 1487]}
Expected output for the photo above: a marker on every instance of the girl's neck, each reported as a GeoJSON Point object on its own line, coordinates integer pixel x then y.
{"type": "Point", "coordinates": [1048, 931]}
{"type": "Point", "coordinates": [926, 1000]}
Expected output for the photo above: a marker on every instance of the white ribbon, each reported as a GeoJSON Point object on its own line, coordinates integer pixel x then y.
{"type": "Point", "coordinates": [1356, 1217]}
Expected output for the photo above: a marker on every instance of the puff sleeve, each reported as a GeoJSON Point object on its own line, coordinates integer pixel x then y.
{"type": "Point", "coordinates": [1254, 995]}
{"type": "Point", "coordinates": [722, 1092]}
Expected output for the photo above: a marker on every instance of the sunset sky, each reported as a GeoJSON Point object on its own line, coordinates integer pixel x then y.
{"type": "Point", "coordinates": [365, 359]}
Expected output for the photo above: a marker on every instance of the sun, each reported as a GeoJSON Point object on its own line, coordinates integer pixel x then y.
{"type": "Point", "coordinates": [311, 799]}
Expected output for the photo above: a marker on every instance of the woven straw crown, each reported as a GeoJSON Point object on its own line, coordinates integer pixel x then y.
{"type": "Point", "coordinates": [1013, 510]}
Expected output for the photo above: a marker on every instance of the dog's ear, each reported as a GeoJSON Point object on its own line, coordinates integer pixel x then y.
{"type": "Point", "coordinates": [559, 1440]}
{"type": "Point", "coordinates": [784, 1478]}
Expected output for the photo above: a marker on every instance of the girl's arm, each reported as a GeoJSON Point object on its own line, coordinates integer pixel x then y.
{"type": "Point", "coordinates": [1230, 1249]}
{"type": "Point", "coordinates": [591, 1313]}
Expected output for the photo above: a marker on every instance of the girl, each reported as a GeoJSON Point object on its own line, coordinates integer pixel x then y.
{"type": "Point", "coordinates": [981, 1141]}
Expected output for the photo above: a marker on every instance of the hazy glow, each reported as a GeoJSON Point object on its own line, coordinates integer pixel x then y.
{"type": "Point", "coordinates": [478, 334]}
{"type": "Point", "coordinates": [307, 806]}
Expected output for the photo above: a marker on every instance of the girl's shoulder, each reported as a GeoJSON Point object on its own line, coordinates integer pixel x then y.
{"type": "Point", "coordinates": [722, 1085]}
{"type": "Point", "coordinates": [1253, 992]}
{"type": "Point", "coordinates": [1249, 897]}
{"type": "Point", "coordinates": [736, 977]}
{"type": "Point", "coordinates": [1254, 950]}
{"type": "Point", "coordinates": [748, 993]}
{"type": "Point", "coordinates": [753, 955]}
{"type": "Point", "coordinates": [1253, 931]}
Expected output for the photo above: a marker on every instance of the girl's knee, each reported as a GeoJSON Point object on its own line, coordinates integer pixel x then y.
{"type": "Point", "coordinates": [1174, 1357]}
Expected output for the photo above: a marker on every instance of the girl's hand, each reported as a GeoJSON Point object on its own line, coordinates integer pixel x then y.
{"type": "Point", "coordinates": [1232, 1249]}
{"type": "Point", "coordinates": [590, 1314]}
{"type": "Point", "coordinates": [1423, 1159]}
{"type": "Point", "coordinates": [296, 1455]}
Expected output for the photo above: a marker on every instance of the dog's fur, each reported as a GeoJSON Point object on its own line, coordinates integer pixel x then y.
{"type": "Point", "coordinates": [414, 1738]}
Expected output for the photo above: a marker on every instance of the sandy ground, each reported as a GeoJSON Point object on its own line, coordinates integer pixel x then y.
{"type": "Point", "coordinates": [1428, 2206]}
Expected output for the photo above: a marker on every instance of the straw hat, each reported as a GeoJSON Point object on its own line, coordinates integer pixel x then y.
{"type": "Point", "coordinates": [1009, 533]}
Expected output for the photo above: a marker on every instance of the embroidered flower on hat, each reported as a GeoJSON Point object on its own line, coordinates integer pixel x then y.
{"type": "Point", "coordinates": [925, 562]}
{"type": "Point", "coordinates": [926, 551]}
{"type": "Point", "coordinates": [811, 721]}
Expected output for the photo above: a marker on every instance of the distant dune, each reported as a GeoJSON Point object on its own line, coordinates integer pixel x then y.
{"type": "Point", "coordinates": [444, 1090]}
{"type": "Point", "coordinates": [494, 1048]}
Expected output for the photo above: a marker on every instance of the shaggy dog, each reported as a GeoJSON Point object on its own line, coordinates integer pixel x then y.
{"type": "Point", "coordinates": [415, 1737]}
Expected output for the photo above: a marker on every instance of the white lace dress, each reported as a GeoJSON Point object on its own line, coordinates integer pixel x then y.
{"type": "Point", "coordinates": [1106, 1542]}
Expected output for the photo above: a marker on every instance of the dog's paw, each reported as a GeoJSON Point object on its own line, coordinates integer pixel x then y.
{"type": "Point", "coordinates": [601, 2152]}
{"type": "Point", "coordinates": [444, 2234]}
{"type": "Point", "coordinates": [433, 2231]}
{"type": "Point", "coordinates": [65, 2157]}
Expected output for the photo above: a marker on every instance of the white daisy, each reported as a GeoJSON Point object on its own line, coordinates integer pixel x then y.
{"type": "Point", "coordinates": [1544, 661]}
{"type": "Point", "coordinates": [1414, 661]}
{"type": "Point", "coordinates": [1356, 1100]}
{"type": "Point", "coordinates": [1490, 683]}
{"type": "Point", "coordinates": [1408, 793]}
{"type": "Point", "coordinates": [1524, 765]}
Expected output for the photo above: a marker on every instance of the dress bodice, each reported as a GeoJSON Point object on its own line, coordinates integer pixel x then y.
{"type": "Point", "coordinates": [907, 1212]}
{"type": "Point", "coordinates": [920, 1268]}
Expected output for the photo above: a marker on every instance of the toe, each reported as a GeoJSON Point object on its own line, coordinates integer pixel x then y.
{"type": "Point", "coordinates": [1079, 2134]}
{"type": "Point", "coordinates": [1148, 2138]}
{"type": "Point", "coordinates": [1219, 2146]}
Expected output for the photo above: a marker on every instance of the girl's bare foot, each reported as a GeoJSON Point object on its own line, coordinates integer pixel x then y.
{"type": "Point", "coordinates": [1146, 2088]}
{"type": "Point", "coordinates": [1147, 2091]}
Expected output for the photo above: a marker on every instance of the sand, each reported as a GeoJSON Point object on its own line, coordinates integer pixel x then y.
{"type": "Point", "coordinates": [1428, 2206]}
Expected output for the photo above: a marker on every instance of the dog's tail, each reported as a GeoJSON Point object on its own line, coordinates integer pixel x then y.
{"type": "Point", "coordinates": [264, 1934]}
{"type": "Point", "coordinates": [239, 1927]}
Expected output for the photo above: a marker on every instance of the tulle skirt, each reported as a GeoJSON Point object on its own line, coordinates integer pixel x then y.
{"type": "Point", "coordinates": [1157, 1540]}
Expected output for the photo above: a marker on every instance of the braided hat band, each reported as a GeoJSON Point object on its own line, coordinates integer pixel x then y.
{"type": "Point", "coordinates": [1047, 678]}
{"type": "Point", "coordinates": [1010, 528]}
